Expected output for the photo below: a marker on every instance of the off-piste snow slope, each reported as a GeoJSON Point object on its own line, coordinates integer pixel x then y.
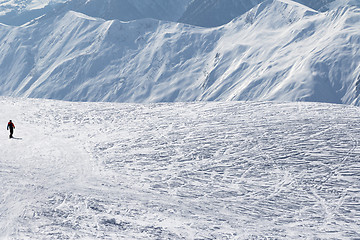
{"type": "Point", "coordinates": [206, 170]}
{"type": "Point", "coordinates": [205, 13]}
{"type": "Point", "coordinates": [278, 50]}
{"type": "Point", "coordinates": [213, 13]}
{"type": "Point", "coordinates": [21, 12]}
{"type": "Point", "coordinates": [200, 170]}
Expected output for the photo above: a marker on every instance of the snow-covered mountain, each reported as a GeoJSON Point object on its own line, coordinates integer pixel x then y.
{"type": "Point", "coordinates": [211, 13]}
{"type": "Point", "coordinates": [179, 171]}
{"type": "Point", "coordinates": [320, 5]}
{"type": "Point", "coordinates": [126, 10]}
{"type": "Point", "coordinates": [21, 12]}
{"type": "Point", "coordinates": [276, 51]}
{"type": "Point", "coordinates": [18, 12]}
{"type": "Point", "coordinates": [19, 6]}
{"type": "Point", "coordinates": [205, 13]}
{"type": "Point", "coordinates": [194, 169]}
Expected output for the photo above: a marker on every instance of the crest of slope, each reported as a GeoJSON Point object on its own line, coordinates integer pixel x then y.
{"type": "Point", "coordinates": [276, 51]}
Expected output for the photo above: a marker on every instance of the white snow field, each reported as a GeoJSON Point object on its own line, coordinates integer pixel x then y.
{"type": "Point", "coordinates": [202, 170]}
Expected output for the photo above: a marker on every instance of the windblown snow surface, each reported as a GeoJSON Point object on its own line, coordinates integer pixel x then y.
{"type": "Point", "coordinates": [205, 170]}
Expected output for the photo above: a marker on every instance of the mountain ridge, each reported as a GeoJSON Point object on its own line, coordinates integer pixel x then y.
{"type": "Point", "coordinates": [205, 13]}
{"type": "Point", "coordinates": [297, 55]}
{"type": "Point", "coordinates": [124, 10]}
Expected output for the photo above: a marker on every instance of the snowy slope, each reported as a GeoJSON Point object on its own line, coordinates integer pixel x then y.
{"type": "Point", "coordinates": [17, 6]}
{"type": "Point", "coordinates": [276, 51]}
{"type": "Point", "coordinates": [212, 13]}
{"type": "Point", "coordinates": [320, 5]}
{"type": "Point", "coordinates": [179, 171]}
{"type": "Point", "coordinates": [205, 13]}
{"type": "Point", "coordinates": [18, 12]}
{"type": "Point", "coordinates": [21, 12]}
{"type": "Point", "coordinates": [126, 10]}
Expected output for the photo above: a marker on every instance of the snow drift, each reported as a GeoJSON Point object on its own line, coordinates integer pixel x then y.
{"type": "Point", "coordinates": [276, 51]}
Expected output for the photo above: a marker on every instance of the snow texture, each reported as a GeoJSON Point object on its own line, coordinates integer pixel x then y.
{"type": "Point", "coordinates": [18, 12]}
{"type": "Point", "coordinates": [212, 13]}
{"type": "Point", "coordinates": [279, 50]}
{"type": "Point", "coordinates": [231, 170]}
{"type": "Point", "coordinates": [191, 169]}
{"type": "Point", "coordinates": [21, 12]}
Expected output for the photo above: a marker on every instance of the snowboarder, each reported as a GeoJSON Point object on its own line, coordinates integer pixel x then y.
{"type": "Point", "coordinates": [11, 127]}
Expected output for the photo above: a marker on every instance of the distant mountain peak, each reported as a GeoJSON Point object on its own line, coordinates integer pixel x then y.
{"type": "Point", "coordinates": [15, 13]}
{"type": "Point", "coordinates": [276, 50]}
{"type": "Point", "coordinates": [213, 13]}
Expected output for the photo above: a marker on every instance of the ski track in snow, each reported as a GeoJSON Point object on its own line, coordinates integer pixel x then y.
{"type": "Point", "coordinates": [179, 171]}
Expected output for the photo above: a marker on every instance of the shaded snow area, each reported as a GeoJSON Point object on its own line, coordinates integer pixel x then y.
{"type": "Point", "coordinates": [278, 50]}
{"type": "Point", "coordinates": [216, 170]}
{"type": "Point", "coordinates": [212, 13]}
{"type": "Point", "coordinates": [18, 12]}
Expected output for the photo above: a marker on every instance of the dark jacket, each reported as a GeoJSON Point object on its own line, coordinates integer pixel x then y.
{"type": "Point", "coordinates": [10, 126]}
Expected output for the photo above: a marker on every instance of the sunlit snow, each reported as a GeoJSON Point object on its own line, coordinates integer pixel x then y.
{"type": "Point", "coordinates": [231, 170]}
{"type": "Point", "coordinates": [180, 157]}
{"type": "Point", "coordinates": [276, 51]}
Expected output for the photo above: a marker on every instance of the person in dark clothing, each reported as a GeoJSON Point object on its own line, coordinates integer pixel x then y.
{"type": "Point", "coordinates": [11, 127]}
